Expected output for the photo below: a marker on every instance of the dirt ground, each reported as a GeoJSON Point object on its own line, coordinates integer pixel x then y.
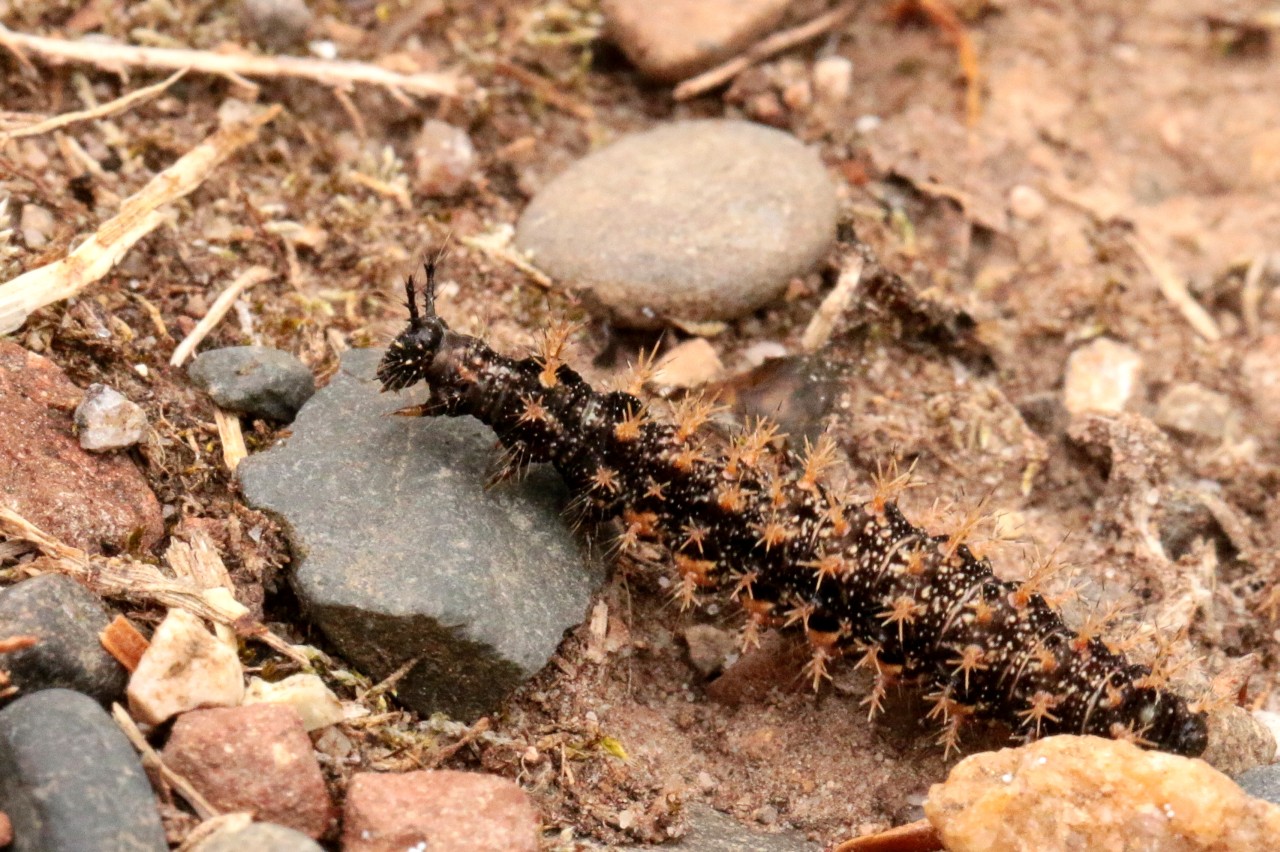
{"type": "Point", "coordinates": [1118, 143]}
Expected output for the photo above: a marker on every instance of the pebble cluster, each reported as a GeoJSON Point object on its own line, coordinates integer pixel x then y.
{"type": "Point", "coordinates": [768, 530]}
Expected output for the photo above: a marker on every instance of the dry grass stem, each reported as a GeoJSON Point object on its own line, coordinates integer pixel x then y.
{"type": "Point", "coordinates": [762, 50]}
{"type": "Point", "coordinates": [497, 245]}
{"type": "Point", "coordinates": [1252, 293]}
{"type": "Point", "coordinates": [221, 305]}
{"type": "Point", "coordinates": [544, 89]}
{"type": "Point", "coordinates": [139, 215]}
{"type": "Point", "coordinates": [138, 582]}
{"type": "Point", "coordinates": [152, 762]}
{"type": "Point", "coordinates": [341, 74]}
{"type": "Point", "coordinates": [1175, 290]}
{"type": "Point", "coordinates": [120, 104]}
{"type": "Point", "coordinates": [384, 188]}
{"type": "Point", "coordinates": [823, 323]}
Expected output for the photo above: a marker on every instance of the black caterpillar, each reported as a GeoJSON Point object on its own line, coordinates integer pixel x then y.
{"type": "Point", "coordinates": [766, 529]}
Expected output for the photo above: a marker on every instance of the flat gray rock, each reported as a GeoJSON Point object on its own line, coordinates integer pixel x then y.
{"type": "Point", "coordinates": [696, 220]}
{"type": "Point", "coordinates": [402, 553]}
{"type": "Point", "coordinates": [66, 619]}
{"type": "Point", "coordinates": [254, 380]}
{"type": "Point", "coordinates": [1262, 782]}
{"type": "Point", "coordinates": [711, 831]}
{"type": "Point", "coordinates": [70, 780]}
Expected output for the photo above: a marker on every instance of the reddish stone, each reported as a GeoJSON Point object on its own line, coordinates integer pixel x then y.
{"type": "Point", "coordinates": [669, 40]}
{"type": "Point", "coordinates": [774, 664]}
{"type": "Point", "coordinates": [84, 499]}
{"type": "Point", "coordinates": [440, 810]}
{"type": "Point", "coordinates": [255, 758]}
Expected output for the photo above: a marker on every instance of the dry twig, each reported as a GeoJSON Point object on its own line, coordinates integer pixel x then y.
{"type": "Point", "coordinates": [329, 72]}
{"type": "Point", "coordinates": [544, 89]}
{"type": "Point", "coordinates": [384, 188]}
{"type": "Point", "coordinates": [139, 215]}
{"type": "Point", "coordinates": [761, 50]}
{"type": "Point", "coordinates": [497, 245]}
{"type": "Point", "coordinates": [231, 435]}
{"type": "Point", "coordinates": [945, 18]}
{"type": "Point", "coordinates": [818, 332]}
{"type": "Point", "coordinates": [120, 104]}
{"type": "Point", "coordinates": [251, 276]}
{"type": "Point", "coordinates": [1252, 293]}
{"type": "Point", "coordinates": [151, 760]}
{"type": "Point", "coordinates": [139, 582]}
{"type": "Point", "coordinates": [469, 736]}
{"type": "Point", "coordinates": [1175, 290]}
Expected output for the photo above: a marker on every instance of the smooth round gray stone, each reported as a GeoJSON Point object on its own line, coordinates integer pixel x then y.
{"type": "Point", "coordinates": [66, 619]}
{"type": "Point", "coordinates": [402, 552]}
{"type": "Point", "coordinates": [69, 779]}
{"type": "Point", "coordinates": [697, 220]}
{"type": "Point", "coordinates": [260, 837]}
{"type": "Point", "coordinates": [254, 380]}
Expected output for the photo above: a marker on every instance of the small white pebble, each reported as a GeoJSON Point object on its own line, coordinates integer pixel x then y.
{"type": "Point", "coordinates": [867, 123]}
{"type": "Point", "coordinates": [833, 79]}
{"type": "Point", "coordinates": [324, 49]}
{"type": "Point", "coordinates": [1027, 203]}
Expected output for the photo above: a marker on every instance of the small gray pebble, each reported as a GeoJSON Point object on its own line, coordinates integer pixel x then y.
{"type": "Point", "coordinates": [697, 220]}
{"type": "Point", "coordinates": [402, 551]}
{"type": "Point", "coordinates": [276, 24]}
{"type": "Point", "coordinates": [254, 380]}
{"type": "Point", "coordinates": [260, 837]}
{"type": "Point", "coordinates": [70, 780]}
{"type": "Point", "coordinates": [66, 619]}
{"type": "Point", "coordinates": [106, 420]}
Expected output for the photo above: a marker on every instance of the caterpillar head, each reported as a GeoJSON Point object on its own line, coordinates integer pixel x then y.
{"type": "Point", "coordinates": [413, 350]}
{"type": "Point", "coordinates": [1167, 723]}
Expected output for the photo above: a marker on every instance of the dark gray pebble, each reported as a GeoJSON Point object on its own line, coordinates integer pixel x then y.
{"type": "Point", "coordinates": [66, 619]}
{"type": "Point", "coordinates": [254, 380]}
{"type": "Point", "coordinates": [403, 553]}
{"type": "Point", "coordinates": [69, 780]}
